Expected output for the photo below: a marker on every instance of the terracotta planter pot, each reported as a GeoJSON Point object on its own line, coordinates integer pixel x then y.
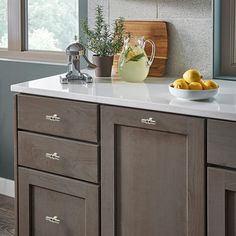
{"type": "Point", "coordinates": [104, 65]}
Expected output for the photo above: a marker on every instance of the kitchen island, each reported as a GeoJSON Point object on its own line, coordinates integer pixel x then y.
{"type": "Point", "coordinates": [123, 159]}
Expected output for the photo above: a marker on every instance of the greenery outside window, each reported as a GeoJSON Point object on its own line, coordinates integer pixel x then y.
{"type": "Point", "coordinates": [3, 24]}
{"type": "Point", "coordinates": [39, 30]}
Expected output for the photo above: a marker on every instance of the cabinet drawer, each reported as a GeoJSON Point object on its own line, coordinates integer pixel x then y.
{"type": "Point", "coordinates": [65, 157]}
{"type": "Point", "coordinates": [221, 143]}
{"type": "Point", "coordinates": [58, 117]}
{"type": "Point", "coordinates": [53, 205]}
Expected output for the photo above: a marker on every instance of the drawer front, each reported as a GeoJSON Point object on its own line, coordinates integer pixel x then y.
{"type": "Point", "coordinates": [59, 117]}
{"type": "Point", "coordinates": [53, 205]}
{"type": "Point", "coordinates": [221, 143]}
{"type": "Point", "coordinates": [56, 155]}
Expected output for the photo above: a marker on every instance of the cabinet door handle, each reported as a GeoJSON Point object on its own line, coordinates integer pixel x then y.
{"type": "Point", "coordinates": [53, 219]}
{"type": "Point", "coordinates": [148, 121]}
{"type": "Point", "coordinates": [53, 156]}
{"type": "Point", "coordinates": [54, 118]}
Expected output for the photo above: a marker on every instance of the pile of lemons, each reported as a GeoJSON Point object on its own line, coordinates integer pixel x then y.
{"type": "Point", "coordinates": [193, 80]}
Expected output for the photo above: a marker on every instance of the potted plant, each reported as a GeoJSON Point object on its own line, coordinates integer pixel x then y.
{"type": "Point", "coordinates": [104, 42]}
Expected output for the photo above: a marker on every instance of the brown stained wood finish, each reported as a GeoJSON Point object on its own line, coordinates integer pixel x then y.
{"type": "Point", "coordinates": [40, 194]}
{"type": "Point", "coordinates": [221, 143]}
{"type": "Point", "coordinates": [152, 175]}
{"type": "Point", "coordinates": [78, 120]}
{"type": "Point", "coordinates": [7, 216]}
{"type": "Point", "coordinates": [73, 202]}
{"type": "Point", "coordinates": [156, 31]}
{"type": "Point", "coordinates": [221, 202]}
{"type": "Point", "coordinates": [75, 159]}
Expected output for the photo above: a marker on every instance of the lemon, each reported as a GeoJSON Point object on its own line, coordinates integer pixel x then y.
{"type": "Point", "coordinates": [130, 55]}
{"type": "Point", "coordinates": [133, 52]}
{"type": "Point", "coordinates": [211, 84]}
{"type": "Point", "coordinates": [192, 76]}
{"type": "Point", "coordinates": [195, 86]}
{"type": "Point", "coordinates": [204, 86]}
{"type": "Point", "coordinates": [137, 50]}
{"type": "Point", "coordinates": [180, 84]}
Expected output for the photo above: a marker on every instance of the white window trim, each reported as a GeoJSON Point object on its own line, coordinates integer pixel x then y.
{"type": "Point", "coordinates": [17, 42]}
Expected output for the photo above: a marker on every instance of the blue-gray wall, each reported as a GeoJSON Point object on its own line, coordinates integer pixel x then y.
{"type": "Point", "coordinates": [16, 72]}
{"type": "Point", "coordinates": [12, 73]}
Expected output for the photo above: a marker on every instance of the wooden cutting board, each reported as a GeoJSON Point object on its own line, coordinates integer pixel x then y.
{"type": "Point", "coordinates": [157, 31]}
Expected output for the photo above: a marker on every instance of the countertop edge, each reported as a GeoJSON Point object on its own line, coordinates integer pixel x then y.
{"type": "Point", "coordinates": [125, 103]}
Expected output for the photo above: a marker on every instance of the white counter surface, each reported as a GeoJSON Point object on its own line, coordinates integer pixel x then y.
{"type": "Point", "coordinates": [151, 95]}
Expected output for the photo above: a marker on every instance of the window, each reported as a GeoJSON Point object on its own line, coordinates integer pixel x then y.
{"type": "Point", "coordinates": [52, 25]}
{"type": "Point", "coordinates": [39, 29]}
{"type": "Point", "coordinates": [3, 24]}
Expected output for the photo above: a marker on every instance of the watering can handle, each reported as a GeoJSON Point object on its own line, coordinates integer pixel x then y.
{"type": "Point", "coordinates": [153, 50]}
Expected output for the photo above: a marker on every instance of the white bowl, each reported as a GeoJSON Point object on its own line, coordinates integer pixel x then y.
{"type": "Point", "coordinates": [193, 95]}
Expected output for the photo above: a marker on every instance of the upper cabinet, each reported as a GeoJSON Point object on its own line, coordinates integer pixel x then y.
{"type": "Point", "coordinates": [225, 39]}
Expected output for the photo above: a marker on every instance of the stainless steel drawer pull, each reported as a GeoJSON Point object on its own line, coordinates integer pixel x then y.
{"type": "Point", "coordinates": [54, 118]}
{"type": "Point", "coordinates": [148, 121]}
{"type": "Point", "coordinates": [53, 156]}
{"type": "Point", "coordinates": [53, 219]}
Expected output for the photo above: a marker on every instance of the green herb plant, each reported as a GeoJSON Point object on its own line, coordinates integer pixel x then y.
{"type": "Point", "coordinates": [102, 40]}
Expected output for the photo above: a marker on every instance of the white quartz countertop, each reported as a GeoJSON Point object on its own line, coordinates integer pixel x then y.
{"type": "Point", "coordinates": [151, 95]}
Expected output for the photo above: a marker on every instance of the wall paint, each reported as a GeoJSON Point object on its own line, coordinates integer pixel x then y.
{"type": "Point", "coordinates": [190, 28]}
{"type": "Point", "coordinates": [12, 73]}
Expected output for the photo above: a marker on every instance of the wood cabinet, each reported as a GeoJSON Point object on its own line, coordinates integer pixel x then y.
{"type": "Point", "coordinates": [146, 177]}
{"type": "Point", "coordinates": [152, 174]}
{"type": "Point", "coordinates": [221, 150]}
{"type": "Point", "coordinates": [54, 205]}
{"type": "Point", "coordinates": [221, 202]}
{"type": "Point", "coordinates": [56, 167]}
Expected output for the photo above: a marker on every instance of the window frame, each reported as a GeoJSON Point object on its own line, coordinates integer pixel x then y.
{"type": "Point", "coordinates": [224, 41]}
{"type": "Point", "coordinates": [17, 35]}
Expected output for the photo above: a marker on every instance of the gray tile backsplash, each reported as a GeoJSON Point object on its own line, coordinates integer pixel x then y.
{"type": "Point", "coordinates": [184, 8]}
{"type": "Point", "coordinates": [133, 9]}
{"type": "Point", "coordinates": [190, 28]}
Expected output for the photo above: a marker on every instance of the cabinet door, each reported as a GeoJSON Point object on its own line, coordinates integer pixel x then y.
{"type": "Point", "coordinates": [152, 167]}
{"type": "Point", "coordinates": [52, 205]}
{"type": "Point", "coordinates": [221, 202]}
